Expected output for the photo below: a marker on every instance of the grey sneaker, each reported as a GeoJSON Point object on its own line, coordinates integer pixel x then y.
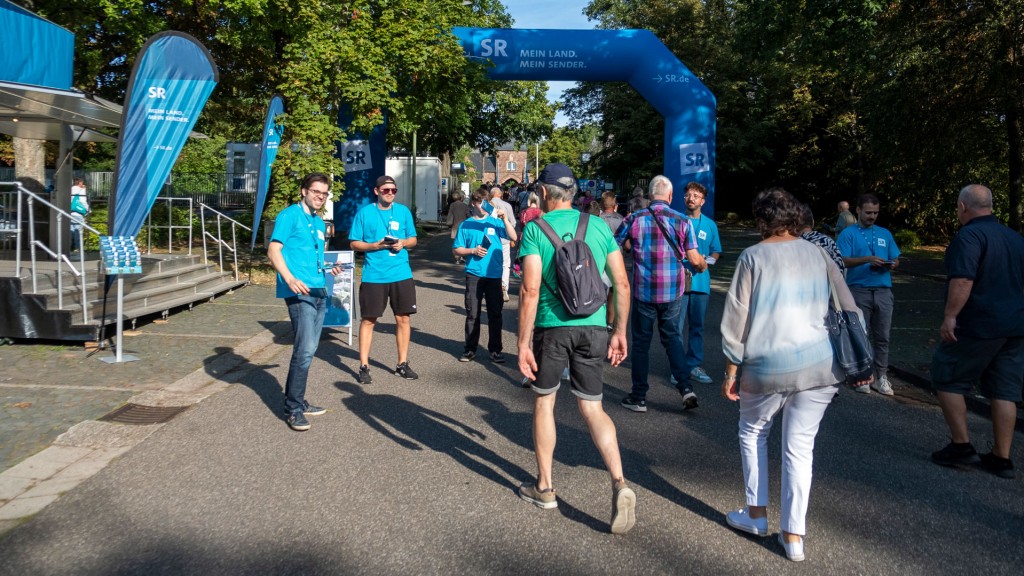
{"type": "Point", "coordinates": [540, 498]}
{"type": "Point", "coordinates": [634, 404]}
{"type": "Point", "coordinates": [699, 375]}
{"type": "Point", "coordinates": [882, 386]}
{"type": "Point", "coordinates": [497, 357]}
{"type": "Point", "coordinates": [623, 508]}
{"type": "Point", "coordinates": [404, 371]}
{"type": "Point", "coordinates": [864, 389]}
{"type": "Point", "coordinates": [364, 375]}
{"type": "Point", "coordinates": [297, 421]}
{"type": "Point", "coordinates": [311, 410]}
{"type": "Point", "coordinates": [467, 356]}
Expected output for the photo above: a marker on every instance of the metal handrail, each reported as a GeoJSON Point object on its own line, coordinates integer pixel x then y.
{"type": "Point", "coordinates": [221, 243]}
{"type": "Point", "coordinates": [29, 198]}
{"type": "Point", "coordinates": [170, 226]}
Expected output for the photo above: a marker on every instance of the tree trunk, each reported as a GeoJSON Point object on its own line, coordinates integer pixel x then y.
{"type": "Point", "coordinates": [30, 164]}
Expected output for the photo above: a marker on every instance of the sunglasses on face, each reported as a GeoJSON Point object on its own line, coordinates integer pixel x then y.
{"type": "Point", "coordinates": [388, 190]}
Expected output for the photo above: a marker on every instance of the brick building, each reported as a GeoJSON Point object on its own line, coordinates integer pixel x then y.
{"type": "Point", "coordinates": [507, 166]}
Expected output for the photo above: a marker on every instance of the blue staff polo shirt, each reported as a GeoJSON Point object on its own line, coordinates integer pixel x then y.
{"type": "Point", "coordinates": [372, 224]}
{"type": "Point", "coordinates": [708, 243]}
{"type": "Point", "coordinates": [301, 236]}
{"type": "Point", "coordinates": [471, 234]}
{"type": "Point", "coordinates": [855, 242]}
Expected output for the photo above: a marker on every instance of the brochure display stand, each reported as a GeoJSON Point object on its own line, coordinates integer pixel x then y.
{"type": "Point", "coordinates": [120, 256]}
{"type": "Point", "coordinates": [341, 293]}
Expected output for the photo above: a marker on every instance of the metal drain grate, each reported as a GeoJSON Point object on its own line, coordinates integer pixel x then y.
{"type": "Point", "coordinates": [137, 414]}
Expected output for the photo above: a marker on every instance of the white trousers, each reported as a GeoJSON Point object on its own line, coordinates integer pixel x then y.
{"type": "Point", "coordinates": [801, 414]}
{"type": "Point", "coordinates": [506, 255]}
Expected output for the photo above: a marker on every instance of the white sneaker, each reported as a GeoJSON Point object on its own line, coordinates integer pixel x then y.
{"type": "Point", "coordinates": [741, 520]}
{"type": "Point", "coordinates": [864, 389]}
{"type": "Point", "coordinates": [565, 374]}
{"type": "Point", "coordinates": [882, 386]}
{"type": "Point", "coordinates": [794, 550]}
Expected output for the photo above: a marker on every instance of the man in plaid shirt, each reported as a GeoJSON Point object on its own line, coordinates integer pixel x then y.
{"type": "Point", "coordinates": [659, 294]}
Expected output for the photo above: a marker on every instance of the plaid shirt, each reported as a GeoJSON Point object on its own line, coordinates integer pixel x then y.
{"type": "Point", "coordinates": [657, 272]}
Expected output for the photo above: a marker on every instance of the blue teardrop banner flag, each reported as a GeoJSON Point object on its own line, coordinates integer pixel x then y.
{"type": "Point", "coordinates": [272, 132]}
{"type": "Point", "coordinates": [172, 78]}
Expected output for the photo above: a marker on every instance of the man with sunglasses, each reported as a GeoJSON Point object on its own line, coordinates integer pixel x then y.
{"type": "Point", "coordinates": [384, 231]}
{"type": "Point", "coordinates": [297, 253]}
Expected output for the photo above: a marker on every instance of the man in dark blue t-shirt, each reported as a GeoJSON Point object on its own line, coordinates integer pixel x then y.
{"type": "Point", "coordinates": [982, 331]}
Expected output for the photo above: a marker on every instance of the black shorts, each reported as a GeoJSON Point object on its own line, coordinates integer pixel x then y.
{"type": "Point", "coordinates": [374, 298]}
{"type": "Point", "coordinates": [582, 348]}
{"type": "Point", "coordinates": [997, 365]}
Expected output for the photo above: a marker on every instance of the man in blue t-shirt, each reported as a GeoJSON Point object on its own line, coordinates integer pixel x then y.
{"type": "Point", "coordinates": [384, 231]}
{"type": "Point", "coordinates": [870, 253]}
{"type": "Point", "coordinates": [982, 332]}
{"type": "Point", "coordinates": [710, 247]}
{"type": "Point", "coordinates": [297, 253]}
{"type": "Point", "coordinates": [479, 241]}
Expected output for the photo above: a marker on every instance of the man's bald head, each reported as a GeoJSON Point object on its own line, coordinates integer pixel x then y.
{"type": "Point", "coordinates": [975, 200]}
{"type": "Point", "coordinates": [496, 192]}
{"type": "Point", "coordinates": [844, 206]}
{"type": "Point", "coordinates": [976, 197]}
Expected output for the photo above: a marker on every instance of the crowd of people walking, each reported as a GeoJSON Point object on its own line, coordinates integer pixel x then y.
{"type": "Point", "coordinates": [779, 359]}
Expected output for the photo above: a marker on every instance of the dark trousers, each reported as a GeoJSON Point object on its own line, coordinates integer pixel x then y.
{"type": "Point", "coordinates": [479, 290]}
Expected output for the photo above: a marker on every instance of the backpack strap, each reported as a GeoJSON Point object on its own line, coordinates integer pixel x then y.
{"type": "Point", "coordinates": [581, 227]}
{"type": "Point", "coordinates": [549, 232]}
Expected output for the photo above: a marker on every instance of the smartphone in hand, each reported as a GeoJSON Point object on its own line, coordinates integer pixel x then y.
{"type": "Point", "coordinates": [486, 242]}
{"type": "Point", "coordinates": [487, 207]}
{"type": "Point", "coordinates": [390, 240]}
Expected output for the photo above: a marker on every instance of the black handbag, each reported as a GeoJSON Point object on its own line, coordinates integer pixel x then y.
{"type": "Point", "coordinates": [849, 339]}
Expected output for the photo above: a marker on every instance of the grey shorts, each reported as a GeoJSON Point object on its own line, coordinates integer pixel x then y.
{"type": "Point", "coordinates": [582, 348]}
{"type": "Point", "coordinates": [997, 365]}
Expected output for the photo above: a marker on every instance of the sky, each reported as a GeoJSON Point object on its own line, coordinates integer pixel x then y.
{"type": "Point", "coordinates": [561, 14]}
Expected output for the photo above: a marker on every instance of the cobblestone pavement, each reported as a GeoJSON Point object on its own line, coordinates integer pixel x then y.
{"type": "Point", "coordinates": [45, 388]}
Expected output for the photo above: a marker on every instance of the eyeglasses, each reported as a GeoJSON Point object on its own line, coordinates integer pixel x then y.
{"type": "Point", "coordinates": [696, 195]}
{"type": "Point", "coordinates": [388, 190]}
{"type": "Point", "coordinates": [319, 193]}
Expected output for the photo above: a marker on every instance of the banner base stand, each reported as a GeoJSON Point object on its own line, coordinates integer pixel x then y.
{"type": "Point", "coordinates": [123, 358]}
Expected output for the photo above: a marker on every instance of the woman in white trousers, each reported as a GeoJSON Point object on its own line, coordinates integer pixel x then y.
{"type": "Point", "coordinates": [779, 360]}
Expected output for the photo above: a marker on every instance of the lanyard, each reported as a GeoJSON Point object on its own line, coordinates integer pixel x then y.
{"type": "Point", "coordinates": [871, 244]}
{"type": "Point", "coordinates": [311, 223]}
{"type": "Point", "coordinates": [387, 225]}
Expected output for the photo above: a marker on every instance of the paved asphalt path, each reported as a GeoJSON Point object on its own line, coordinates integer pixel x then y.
{"type": "Point", "coordinates": [404, 477]}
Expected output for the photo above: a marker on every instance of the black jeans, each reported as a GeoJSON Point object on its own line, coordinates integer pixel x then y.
{"type": "Point", "coordinates": [479, 290]}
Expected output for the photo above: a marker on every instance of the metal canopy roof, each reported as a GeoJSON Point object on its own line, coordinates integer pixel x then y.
{"type": "Point", "coordinates": [37, 113]}
{"type": "Point", "coordinates": [49, 130]}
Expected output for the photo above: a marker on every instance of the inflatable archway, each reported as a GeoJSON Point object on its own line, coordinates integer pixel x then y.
{"type": "Point", "coordinates": [633, 56]}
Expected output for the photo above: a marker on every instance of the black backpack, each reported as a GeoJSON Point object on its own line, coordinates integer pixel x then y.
{"type": "Point", "coordinates": [580, 287]}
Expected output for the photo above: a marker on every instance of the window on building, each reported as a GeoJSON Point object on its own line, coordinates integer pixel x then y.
{"type": "Point", "coordinates": [510, 166]}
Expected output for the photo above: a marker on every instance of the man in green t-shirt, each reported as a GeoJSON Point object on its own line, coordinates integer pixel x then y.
{"type": "Point", "coordinates": [550, 337]}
